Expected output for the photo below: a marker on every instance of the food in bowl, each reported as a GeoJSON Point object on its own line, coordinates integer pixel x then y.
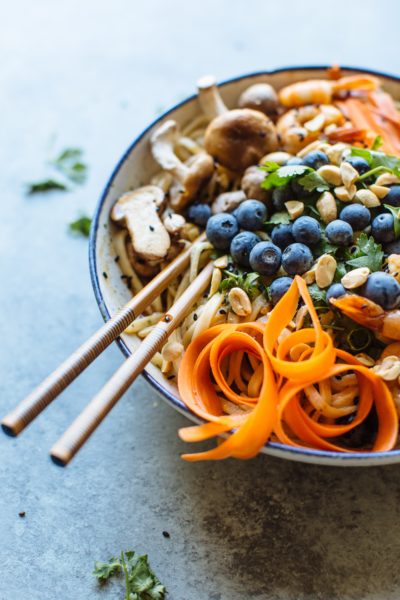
{"type": "Point", "coordinates": [298, 192]}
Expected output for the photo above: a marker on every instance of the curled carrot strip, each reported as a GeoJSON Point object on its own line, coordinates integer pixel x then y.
{"type": "Point", "coordinates": [213, 365]}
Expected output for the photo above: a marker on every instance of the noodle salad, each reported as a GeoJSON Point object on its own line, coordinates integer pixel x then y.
{"type": "Point", "coordinates": [298, 192]}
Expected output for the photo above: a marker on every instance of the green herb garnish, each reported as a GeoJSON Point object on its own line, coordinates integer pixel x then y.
{"type": "Point", "coordinates": [367, 253]}
{"type": "Point", "coordinates": [47, 185]}
{"type": "Point", "coordinates": [376, 160]}
{"type": "Point", "coordinates": [81, 226]}
{"type": "Point", "coordinates": [141, 583]}
{"type": "Point", "coordinates": [279, 218]}
{"type": "Point", "coordinates": [69, 162]}
{"type": "Point", "coordinates": [248, 282]}
{"type": "Point", "coordinates": [283, 175]}
{"type": "Point", "coordinates": [314, 182]}
{"type": "Point", "coordinates": [318, 296]}
{"type": "Point", "coordinates": [396, 223]}
{"type": "Point", "coordinates": [377, 143]}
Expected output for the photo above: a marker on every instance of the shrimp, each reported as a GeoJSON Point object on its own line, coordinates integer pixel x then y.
{"type": "Point", "coordinates": [300, 126]}
{"type": "Point", "coordinates": [322, 91]}
{"type": "Point", "coordinates": [369, 314]}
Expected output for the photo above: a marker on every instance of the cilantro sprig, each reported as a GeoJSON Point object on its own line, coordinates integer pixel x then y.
{"type": "Point", "coordinates": [378, 161]}
{"type": "Point", "coordinates": [278, 176]}
{"type": "Point", "coordinates": [248, 282]}
{"type": "Point", "coordinates": [367, 253]}
{"type": "Point", "coordinates": [395, 210]}
{"type": "Point", "coordinates": [140, 580]}
{"type": "Point", "coordinates": [68, 167]}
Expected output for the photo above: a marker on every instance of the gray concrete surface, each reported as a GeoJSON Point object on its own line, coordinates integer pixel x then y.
{"type": "Point", "coordinates": [93, 74]}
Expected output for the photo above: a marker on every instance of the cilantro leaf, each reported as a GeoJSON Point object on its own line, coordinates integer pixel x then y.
{"type": "Point", "coordinates": [105, 570]}
{"type": "Point", "coordinates": [70, 163]}
{"type": "Point", "coordinates": [367, 254]}
{"type": "Point", "coordinates": [313, 181]}
{"type": "Point", "coordinates": [318, 296]}
{"type": "Point", "coordinates": [249, 282]}
{"type": "Point", "coordinates": [340, 272]}
{"type": "Point", "coordinates": [270, 166]}
{"type": "Point", "coordinates": [378, 160]}
{"type": "Point", "coordinates": [324, 247]}
{"type": "Point", "coordinates": [283, 175]}
{"type": "Point", "coordinates": [279, 218]}
{"type": "Point", "coordinates": [140, 580]}
{"type": "Point", "coordinates": [81, 226]}
{"type": "Point", "coordinates": [377, 143]}
{"type": "Point", "coordinates": [395, 212]}
{"type": "Point", "coordinates": [47, 185]}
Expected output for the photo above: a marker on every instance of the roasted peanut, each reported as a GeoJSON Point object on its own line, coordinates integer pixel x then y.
{"type": "Point", "coordinates": [345, 194]}
{"type": "Point", "coordinates": [389, 369]}
{"type": "Point", "coordinates": [325, 270]}
{"type": "Point", "coordinates": [348, 174]}
{"type": "Point", "coordinates": [331, 174]}
{"type": "Point", "coordinates": [368, 198]}
{"type": "Point", "coordinates": [353, 279]}
{"type": "Point", "coordinates": [326, 207]}
{"type": "Point", "coordinates": [294, 208]}
{"type": "Point", "coordinates": [239, 301]}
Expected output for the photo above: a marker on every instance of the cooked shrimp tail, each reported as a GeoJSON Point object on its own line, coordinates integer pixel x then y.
{"type": "Point", "coordinates": [322, 91]}
{"type": "Point", "coordinates": [369, 314]}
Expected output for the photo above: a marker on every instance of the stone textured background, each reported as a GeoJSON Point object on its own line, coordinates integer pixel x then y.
{"type": "Point", "coordinates": [93, 74]}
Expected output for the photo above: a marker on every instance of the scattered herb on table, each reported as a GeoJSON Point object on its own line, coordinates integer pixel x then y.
{"type": "Point", "coordinates": [72, 168]}
{"type": "Point", "coordinates": [47, 185]}
{"type": "Point", "coordinates": [141, 583]}
{"type": "Point", "coordinates": [81, 226]}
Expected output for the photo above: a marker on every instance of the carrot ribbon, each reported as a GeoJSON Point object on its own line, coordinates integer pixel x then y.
{"type": "Point", "coordinates": [213, 369]}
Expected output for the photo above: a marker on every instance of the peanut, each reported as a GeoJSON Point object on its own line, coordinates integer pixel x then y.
{"type": "Point", "coordinates": [368, 198]}
{"type": "Point", "coordinates": [325, 270]}
{"type": "Point", "coordinates": [240, 302]}
{"type": "Point", "coordinates": [353, 279]}
{"type": "Point", "coordinates": [331, 174]}
{"type": "Point", "coordinates": [345, 194]}
{"type": "Point", "coordinates": [349, 174]}
{"type": "Point", "coordinates": [389, 369]}
{"type": "Point", "coordinates": [294, 208]}
{"type": "Point", "coordinates": [326, 207]}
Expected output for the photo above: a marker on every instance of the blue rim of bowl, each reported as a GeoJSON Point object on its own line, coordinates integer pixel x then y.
{"type": "Point", "coordinates": [276, 446]}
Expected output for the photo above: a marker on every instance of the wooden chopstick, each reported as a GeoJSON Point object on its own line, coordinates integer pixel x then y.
{"type": "Point", "coordinates": [58, 380]}
{"type": "Point", "coordinates": [89, 419]}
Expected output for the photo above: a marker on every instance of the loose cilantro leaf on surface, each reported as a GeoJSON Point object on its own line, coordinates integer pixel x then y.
{"type": "Point", "coordinates": [105, 570]}
{"type": "Point", "coordinates": [70, 163]}
{"type": "Point", "coordinates": [278, 218]}
{"type": "Point", "coordinates": [377, 143]}
{"type": "Point", "coordinates": [81, 226]}
{"type": "Point", "coordinates": [47, 185]}
{"type": "Point", "coordinates": [367, 254]}
{"type": "Point", "coordinates": [395, 210]}
{"type": "Point", "coordinates": [140, 580]}
{"type": "Point", "coordinates": [281, 177]}
{"type": "Point", "coordinates": [318, 296]}
{"type": "Point", "coordinates": [313, 181]}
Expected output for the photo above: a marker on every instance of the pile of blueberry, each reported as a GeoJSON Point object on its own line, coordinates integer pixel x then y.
{"type": "Point", "coordinates": [292, 245]}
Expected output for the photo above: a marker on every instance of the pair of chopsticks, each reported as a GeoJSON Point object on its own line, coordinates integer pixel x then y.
{"type": "Point", "coordinates": [89, 419]}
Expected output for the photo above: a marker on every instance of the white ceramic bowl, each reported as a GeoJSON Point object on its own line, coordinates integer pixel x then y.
{"type": "Point", "coordinates": [135, 169]}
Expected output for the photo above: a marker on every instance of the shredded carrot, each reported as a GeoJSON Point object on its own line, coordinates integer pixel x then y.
{"type": "Point", "coordinates": [278, 408]}
{"type": "Point", "coordinates": [375, 114]}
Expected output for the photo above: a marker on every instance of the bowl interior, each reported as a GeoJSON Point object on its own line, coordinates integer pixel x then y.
{"type": "Point", "coordinates": [135, 169]}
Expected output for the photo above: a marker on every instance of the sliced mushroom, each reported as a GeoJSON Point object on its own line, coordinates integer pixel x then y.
{"type": "Point", "coordinates": [260, 96]}
{"type": "Point", "coordinates": [173, 222]}
{"type": "Point", "coordinates": [239, 138]}
{"type": "Point", "coordinates": [191, 176]}
{"type": "Point", "coordinates": [210, 100]}
{"type": "Point", "coordinates": [138, 211]}
{"type": "Point", "coordinates": [227, 202]}
{"type": "Point", "coordinates": [251, 184]}
{"type": "Point", "coordinates": [144, 268]}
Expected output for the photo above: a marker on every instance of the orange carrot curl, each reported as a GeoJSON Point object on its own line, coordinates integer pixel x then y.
{"type": "Point", "coordinates": [285, 368]}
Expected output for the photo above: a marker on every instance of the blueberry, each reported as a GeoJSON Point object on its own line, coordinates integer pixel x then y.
{"type": "Point", "coordinates": [315, 159]}
{"type": "Point", "coordinates": [241, 246]}
{"type": "Point", "coordinates": [335, 291]}
{"type": "Point", "coordinates": [265, 258]}
{"type": "Point", "coordinates": [339, 232]}
{"type": "Point", "coordinates": [221, 229]}
{"type": "Point", "coordinates": [393, 197]}
{"type": "Point", "coordinates": [251, 214]}
{"type": "Point", "coordinates": [295, 160]}
{"type": "Point", "coordinates": [281, 235]}
{"type": "Point", "coordinates": [359, 164]}
{"type": "Point", "coordinates": [382, 228]}
{"type": "Point", "coordinates": [297, 259]}
{"type": "Point", "coordinates": [392, 247]}
{"type": "Point", "coordinates": [383, 289]}
{"type": "Point", "coordinates": [306, 230]}
{"type": "Point", "coordinates": [357, 215]}
{"type": "Point", "coordinates": [279, 287]}
{"type": "Point", "coordinates": [280, 196]}
{"type": "Point", "coordinates": [199, 214]}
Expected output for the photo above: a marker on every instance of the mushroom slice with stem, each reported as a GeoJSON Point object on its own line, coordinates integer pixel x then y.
{"type": "Point", "coordinates": [210, 100]}
{"type": "Point", "coordinates": [251, 184]}
{"type": "Point", "coordinates": [191, 176]}
{"type": "Point", "coordinates": [239, 138]}
{"type": "Point", "coordinates": [138, 211]}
